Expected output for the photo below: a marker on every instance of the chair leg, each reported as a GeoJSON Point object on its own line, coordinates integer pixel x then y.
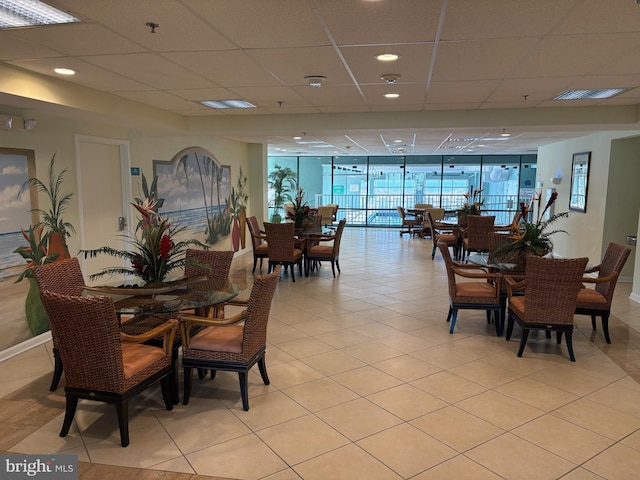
{"type": "Point", "coordinates": [333, 268]}
{"type": "Point", "coordinates": [593, 322]}
{"type": "Point", "coordinates": [499, 322]}
{"type": "Point", "coordinates": [523, 341]}
{"type": "Point", "coordinates": [70, 411]}
{"type": "Point", "coordinates": [123, 422]}
{"type": "Point", "coordinates": [187, 386]}
{"type": "Point", "coordinates": [454, 317]}
{"type": "Point", "coordinates": [433, 253]}
{"type": "Point", "coordinates": [168, 391]}
{"type": "Point", "coordinates": [449, 315]}
{"type": "Point", "coordinates": [569, 337]}
{"type": "Point", "coordinates": [293, 274]}
{"type": "Point", "coordinates": [57, 370]}
{"type": "Point", "coordinates": [338, 266]}
{"type": "Point", "coordinates": [605, 327]}
{"type": "Point", "coordinates": [262, 366]}
{"type": "Point", "coordinates": [547, 333]}
{"type": "Point", "coordinates": [509, 327]}
{"type": "Point", "coordinates": [202, 373]}
{"type": "Point", "coordinates": [244, 387]}
{"type": "Point", "coordinates": [255, 262]}
{"type": "Point", "coordinates": [261, 265]}
{"type": "Point", "coordinates": [558, 337]}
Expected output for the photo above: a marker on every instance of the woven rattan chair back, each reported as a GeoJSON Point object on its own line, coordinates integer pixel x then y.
{"type": "Point", "coordinates": [254, 230]}
{"type": "Point", "coordinates": [614, 259]}
{"type": "Point", "coordinates": [439, 235]}
{"type": "Point", "coordinates": [325, 212]}
{"type": "Point", "coordinates": [477, 233]}
{"type": "Point", "coordinates": [253, 341]}
{"type": "Point", "coordinates": [64, 277]}
{"type": "Point", "coordinates": [281, 241]}
{"type": "Point", "coordinates": [96, 366]}
{"type": "Point", "coordinates": [218, 263]}
{"type": "Point", "coordinates": [551, 291]}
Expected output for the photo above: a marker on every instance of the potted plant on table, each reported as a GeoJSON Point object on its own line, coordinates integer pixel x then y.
{"type": "Point", "coordinates": [529, 238]}
{"type": "Point", "coordinates": [300, 211]}
{"type": "Point", "coordinates": [471, 206]}
{"type": "Point", "coordinates": [283, 182]}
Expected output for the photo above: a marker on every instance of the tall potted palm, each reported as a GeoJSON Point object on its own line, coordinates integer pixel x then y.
{"type": "Point", "coordinates": [56, 229]}
{"type": "Point", "coordinates": [283, 182]}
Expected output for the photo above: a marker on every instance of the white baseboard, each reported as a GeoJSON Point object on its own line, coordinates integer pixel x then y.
{"type": "Point", "coordinates": [24, 346]}
{"type": "Point", "coordinates": [635, 297]}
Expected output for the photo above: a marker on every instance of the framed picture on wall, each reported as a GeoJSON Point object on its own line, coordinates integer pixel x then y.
{"type": "Point", "coordinates": [579, 182]}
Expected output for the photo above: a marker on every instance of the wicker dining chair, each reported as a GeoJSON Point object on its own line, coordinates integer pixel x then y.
{"type": "Point", "coordinates": [441, 234]}
{"type": "Point", "coordinates": [597, 301]}
{"type": "Point", "coordinates": [317, 252]}
{"type": "Point", "coordinates": [102, 363]}
{"type": "Point", "coordinates": [412, 221]}
{"type": "Point", "coordinates": [550, 287]}
{"type": "Point", "coordinates": [215, 264]}
{"type": "Point", "coordinates": [481, 294]}
{"type": "Point", "coordinates": [476, 238]}
{"type": "Point", "coordinates": [282, 247]}
{"type": "Point", "coordinates": [65, 277]}
{"type": "Point", "coordinates": [258, 237]}
{"type": "Point", "coordinates": [233, 344]}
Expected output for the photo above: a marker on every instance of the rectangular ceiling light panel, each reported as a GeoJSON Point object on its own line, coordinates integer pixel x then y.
{"type": "Point", "coordinates": [28, 13]}
{"type": "Point", "coordinates": [222, 104]}
{"type": "Point", "coordinates": [590, 94]}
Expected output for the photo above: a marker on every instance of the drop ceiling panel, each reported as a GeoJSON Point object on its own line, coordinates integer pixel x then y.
{"type": "Point", "coordinates": [15, 48]}
{"type": "Point", "coordinates": [461, 92]}
{"type": "Point", "coordinates": [291, 23]}
{"type": "Point", "coordinates": [473, 19]}
{"type": "Point", "coordinates": [410, 94]}
{"type": "Point", "coordinates": [413, 64]}
{"type": "Point", "coordinates": [536, 89]}
{"type": "Point", "coordinates": [291, 65]}
{"type": "Point", "coordinates": [198, 94]}
{"type": "Point", "coordinates": [574, 54]}
{"type": "Point", "coordinates": [180, 29]}
{"type": "Point", "coordinates": [625, 64]}
{"type": "Point", "coordinates": [268, 97]}
{"type": "Point", "coordinates": [150, 69]}
{"type": "Point", "coordinates": [328, 95]}
{"type": "Point", "coordinates": [354, 22]}
{"type": "Point", "coordinates": [156, 98]}
{"type": "Point", "coordinates": [80, 39]}
{"type": "Point", "coordinates": [594, 16]}
{"type": "Point", "coordinates": [479, 60]}
{"type": "Point", "coordinates": [232, 68]}
{"type": "Point", "coordinates": [86, 74]}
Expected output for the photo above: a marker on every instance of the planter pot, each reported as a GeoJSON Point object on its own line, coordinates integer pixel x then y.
{"type": "Point", "coordinates": [235, 235]}
{"type": "Point", "coordinates": [242, 219]}
{"type": "Point", "coordinates": [57, 244]}
{"type": "Point", "coordinates": [36, 316]}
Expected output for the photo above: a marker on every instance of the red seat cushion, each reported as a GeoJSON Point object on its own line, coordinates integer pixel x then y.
{"type": "Point", "coordinates": [591, 299]}
{"type": "Point", "coordinates": [136, 357]}
{"type": "Point", "coordinates": [219, 339]}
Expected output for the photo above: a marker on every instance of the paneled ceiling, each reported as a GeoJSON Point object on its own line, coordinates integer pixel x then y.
{"type": "Point", "coordinates": [470, 70]}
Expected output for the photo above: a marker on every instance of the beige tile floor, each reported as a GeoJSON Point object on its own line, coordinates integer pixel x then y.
{"type": "Point", "coordinates": [366, 383]}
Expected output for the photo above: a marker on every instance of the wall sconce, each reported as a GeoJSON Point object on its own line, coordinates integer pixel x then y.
{"type": "Point", "coordinates": [556, 180]}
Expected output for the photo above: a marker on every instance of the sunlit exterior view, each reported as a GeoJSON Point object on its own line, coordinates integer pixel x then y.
{"type": "Point", "coordinates": [368, 189]}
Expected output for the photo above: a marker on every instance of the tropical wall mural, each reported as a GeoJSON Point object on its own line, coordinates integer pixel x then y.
{"type": "Point", "coordinates": [197, 194]}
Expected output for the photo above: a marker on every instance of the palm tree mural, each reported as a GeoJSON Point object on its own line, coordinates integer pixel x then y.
{"type": "Point", "coordinates": [211, 175]}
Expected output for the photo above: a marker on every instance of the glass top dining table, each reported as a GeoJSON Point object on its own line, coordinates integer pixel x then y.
{"type": "Point", "coordinates": [188, 298]}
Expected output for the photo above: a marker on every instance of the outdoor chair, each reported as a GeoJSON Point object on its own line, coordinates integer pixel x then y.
{"type": "Point", "coordinates": [282, 246]}
{"type": "Point", "coordinates": [317, 252]}
{"type": "Point", "coordinates": [597, 301]}
{"type": "Point", "coordinates": [481, 294]}
{"type": "Point", "coordinates": [550, 287]}
{"type": "Point", "coordinates": [258, 237]}
{"type": "Point", "coordinates": [325, 212]}
{"type": "Point", "coordinates": [102, 363]}
{"type": "Point", "coordinates": [64, 277]}
{"type": "Point", "coordinates": [234, 344]}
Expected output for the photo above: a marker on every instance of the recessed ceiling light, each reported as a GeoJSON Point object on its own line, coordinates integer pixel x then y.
{"type": "Point", "coordinates": [391, 95]}
{"type": "Point", "coordinates": [505, 134]}
{"type": "Point", "coordinates": [387, 57]}
{"type": "Point", "coordinates": [20, 13]}
{"type": "Point", "coordinates": [222, 104]}
{"type": "Point", "coordinates": [64, 71]}
{"type": "Point", "coordinates": [297, 138]}
{"type": "Point", "coordinates": [397, 141]}
{"type": "Point", "coordinates": [589, 94]}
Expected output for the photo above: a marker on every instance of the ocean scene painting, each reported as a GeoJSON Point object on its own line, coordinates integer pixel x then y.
{"type": "Point", "coordinates": [14, 212]}
{"type": "Point", "coordinates": [196, 191]}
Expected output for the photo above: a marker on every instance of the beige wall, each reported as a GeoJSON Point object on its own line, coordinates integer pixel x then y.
{"type": "Point", "coordinates": [614, 170]}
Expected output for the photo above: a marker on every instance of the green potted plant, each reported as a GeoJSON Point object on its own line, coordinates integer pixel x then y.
{"type": "Point", "coordinates": [283, 182]}
{"type": "Point", "coordinates": [471, 206]}
{"type": "Point", "coordinates": [56, 229]}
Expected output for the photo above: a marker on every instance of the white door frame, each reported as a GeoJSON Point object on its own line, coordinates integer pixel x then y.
{"type": "Point", "coordinates": [125, 180]}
